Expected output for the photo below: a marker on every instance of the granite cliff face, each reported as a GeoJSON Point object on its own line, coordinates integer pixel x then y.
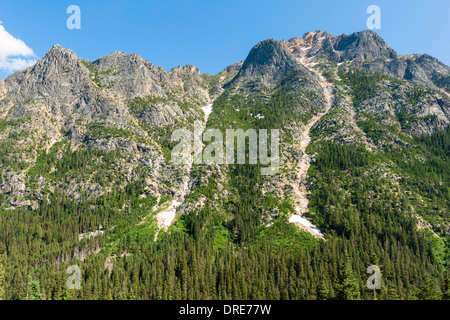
{"type": "Point", "coordinates": [269, 61]}
{"type": "Point", "coordinates": [58, 78]}
{"type": "Point", "coordinates": [130, 76]}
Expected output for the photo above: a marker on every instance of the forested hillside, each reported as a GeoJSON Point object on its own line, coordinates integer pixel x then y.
{"type": "Point", "coordinates": [87, 178]}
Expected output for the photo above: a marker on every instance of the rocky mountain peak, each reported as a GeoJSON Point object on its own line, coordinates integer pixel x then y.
{"type": "Point", "coordinates": [310, 44]}
{"type": "Point", "coordinates": [57, 60]}
{"type": "Point", "coordinates": [120, 58]}
{"type": "Point", "coordinates": [431, 64]}
{"type": "Point", "coordinates": [235, 67]}
{"type": "Point", "coordinates": [270, 59]}
{"type": "Point", "coordinates": [185, 70]}
{"type": "Point", "coordinates": [58, 54]}
{"type": "Point", "coordinates": [130, 75]}
{"type": "Point", "coordinates": [57, 47]}
{"type": "Point", "coordinates": [59, 77]}
{"type": "Point", "coordinates": [366, 45]}
{"type": "Point", "coordinates": [267, 52]}
{"type": "Point", "coordinates": [118, 53]}
{"type": "Point", "coordinates": [314, 36]}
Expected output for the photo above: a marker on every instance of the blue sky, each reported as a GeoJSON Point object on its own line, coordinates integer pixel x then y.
{"type": "Point", "coordinates": [214, 34]}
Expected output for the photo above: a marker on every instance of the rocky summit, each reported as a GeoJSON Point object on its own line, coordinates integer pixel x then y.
{"type": "Point", "coordinates": [364, 155]}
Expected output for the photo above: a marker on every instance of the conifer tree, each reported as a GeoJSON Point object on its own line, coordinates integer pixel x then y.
{"type": "Point", "coordinates": [34, 290]}
{"type": "Point", "coordinates": [446, 293]}
{"type": "Point", "coordinates": [348, 288]}
{"type": "Point", "coordinates": [429, 290]}
{"type": "Point", "coordinates": [2, 280]}
{"type": "Point", "coordinates": [322, 291]}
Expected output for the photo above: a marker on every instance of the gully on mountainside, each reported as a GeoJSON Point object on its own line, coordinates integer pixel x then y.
{"type": "Point", "coordinates": [300, 192]}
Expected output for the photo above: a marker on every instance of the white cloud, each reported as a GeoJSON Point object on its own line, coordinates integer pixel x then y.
{"type": "Point", "coordinates": [14, 53]}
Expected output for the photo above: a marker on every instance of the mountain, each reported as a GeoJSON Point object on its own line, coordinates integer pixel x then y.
{"type": "Point", "coordinates": [269, 61]}
{"type": "Point", "coordinates": [368, 51]}
{"type": "Point", "coordinates": [86, 174]}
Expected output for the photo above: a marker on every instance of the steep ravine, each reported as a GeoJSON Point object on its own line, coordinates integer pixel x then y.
{"type": "Point", "coordinates": [300, 191]}
{"type": "Point", "coordinates": [166, 217]}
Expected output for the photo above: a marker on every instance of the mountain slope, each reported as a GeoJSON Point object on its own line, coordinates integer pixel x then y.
{"type": "Point", "coordinates": [362, 179]}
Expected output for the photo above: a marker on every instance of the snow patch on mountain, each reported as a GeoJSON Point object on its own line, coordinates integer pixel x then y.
{"type": "Point", "coordinates": [304, 223]}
